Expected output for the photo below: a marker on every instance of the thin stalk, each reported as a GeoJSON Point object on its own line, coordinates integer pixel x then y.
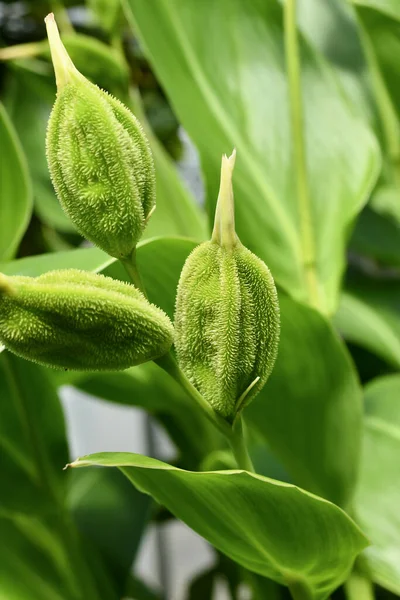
{"type": "Point", "coordinates": [131, 267]}
{"type": "Point", "coordinates": [18, 51]}
{"type": "Point", "coordinates": [358, 587]}
{"type": "Point", "coordinates": [299, 590]}
{"type": "Point", "coordinates": [299, 156]}
{"type": "Point", "coordinates": [169, 364]}
{"type": "Point", "coordinates": [239, 447]}
{"type": "Point", "coordinates": [62, 17]}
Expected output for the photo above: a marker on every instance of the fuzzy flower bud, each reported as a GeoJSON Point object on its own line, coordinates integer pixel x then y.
{"type": "Point", "coordinates": [77, 320]}
{"type": "Point", "coordinates": [99, 158]}
{"type": "Point", "coordinates": [227, 314]}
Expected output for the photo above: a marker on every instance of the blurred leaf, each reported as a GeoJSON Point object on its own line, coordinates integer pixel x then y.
{"type": "Point", "coordinates": [390, 8]}
{"type": "Point", "coordinates": [176, 212]}
{"type": "Point", "coordinates": [87, 259]}
{"type": "Point", "coordinates": [15, 189]}
{"type": "Point", "coordinates": [228, 89]}
{"type": "Point", "coordinates": [112, 514]}
{"type": "Point", "coordinates": [138, 590]}
{"type": "Point", "coordinates": [268, 540]}
{"type": "Point", "coordinates": [378, 496]}
{"type": "Point", "coordinates": [39, 549]}
{"type": "Point", "coordinates": [29, 99]}
{"type": "Point", "coordinates": [106, 13]}
{"type": "Point", "coordinates": [149, 387]}
{"type": "Point", "coordinates": [311, 400]}
{"type": "Point", "coordinates": [369, 316]}
{"type": "Point", "coordinates": [202, 586]}
{"type": "Point", "coordinates": [377, 236]}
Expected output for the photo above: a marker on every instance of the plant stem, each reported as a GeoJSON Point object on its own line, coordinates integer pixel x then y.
{"type": "Point", "coordinates": [131, 267]}
{"type": "Point", "coordinates": [358, 587]}
{"type": "Point", "coordinates": [169, 364]}
{"type": "Point", "coordinates": [62, 17]}
{"type": "Point", "coordinates": [239, 447]}
{"type": "Point", "coordinates": [300, 165]}
{"type": "Point", "coordinates": [22, 50]}
{"type": "Point", "coordinates": [299, 590]}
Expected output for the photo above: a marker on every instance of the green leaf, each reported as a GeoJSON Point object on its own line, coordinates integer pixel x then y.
{"type": "Point", "coordinates": [112, 515]}
{"type": "Point", "coordinates": [15, 189]}
{"type": "Point", "coordinates": [29, 98]}
{"type": "Point", "coordinates": [87, 259]}
{"type": "Point", "coordinates": [40, 554]}
{"type": "Point", "coordinates": [228, 88]}
{"type": "Point", "coordinates": [368, 316]}
{"type": "Point", "coordinates": [378, 495]}
{"type": "Point", "coordinates": [263, 526]}
{"type": "Point", "coordinates": [388, 7]}
{"type": "Point", "coordinates": [176, 212]}
{"type": "Point", "coordinates": [311, 400]}
{"type": "Point", "coordinates": [376, 236]}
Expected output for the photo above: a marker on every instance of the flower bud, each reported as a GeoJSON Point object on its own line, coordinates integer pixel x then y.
{"type": "Point", "coordinates": [227, 314]}
{"type": "Point", "coordinates": [99, 159]}
{"type": "Point", "coordinates": [77, 320]}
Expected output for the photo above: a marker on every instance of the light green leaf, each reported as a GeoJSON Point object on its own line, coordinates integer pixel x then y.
{"type": "Point", "coordinates": [311, 400]}
{"type": "Point", "coordinates": [176, 211]}
{"type": "Point", "coordinates": [369, 316]}
{"type": "Point", "coordinates": [228, 88]}
{"type": "Point", "coordinates": [87, 259]}
{"type": "Point", "coordinates": [378, 495]}
{"type": "Point", "coordinates": [263, 526]}
{"type": "Point", "coordinates": [15, 189]}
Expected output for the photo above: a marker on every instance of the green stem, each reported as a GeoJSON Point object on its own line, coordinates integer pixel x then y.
{"type": "Point", "coordinates": [299, 156]}
{"type": "Point", "coordinates": [169, 364]}
{"type": "Point", "coordinates": [131, 267]}
{"type": "Point", "coordinates": [22, 51]}
{"type": "Point", "coordinates": [358, 587]}
{"type": "Point", "coordinates": [299, 590]}
{"type": "Point", "coordinates": [61, 16]}
{"type": "Point", "coordinates": [239, 447]}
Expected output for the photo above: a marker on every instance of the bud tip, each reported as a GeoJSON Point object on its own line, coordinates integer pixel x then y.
{"type": "Point", "coordinates": [63, 65]}
{"type": "Point", "coordinates": [224, 224]}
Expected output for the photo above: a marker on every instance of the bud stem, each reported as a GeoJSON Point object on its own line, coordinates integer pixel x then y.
{"type": "Point", "coordinates": [239, 447]}
{"type": "Point", "coordinates": [224, 225]}
{"type": "Point", "coordinates": [64, 68]}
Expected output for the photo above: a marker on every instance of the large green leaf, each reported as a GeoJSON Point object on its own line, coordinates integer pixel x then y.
{"type": "Point", "coordinates": [15, 189]}
{"type": "Point", "coordinates": [377, 236]}
{"type": "Point", "coordinates": [229, 89]}
{"type": "Point", "coordinates": [311, 400]}
{"type": "Point", "coordinates": [378, 495]}
{"type": "Point", "coordinates": [272, 528]}
{"type": "Point", "coordinates": [369, 316]}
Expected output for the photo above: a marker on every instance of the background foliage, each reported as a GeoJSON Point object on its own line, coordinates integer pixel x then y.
{"type": "Point", "coordinates": [318, 200]}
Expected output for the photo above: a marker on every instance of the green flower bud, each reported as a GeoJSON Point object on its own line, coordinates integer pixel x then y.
{"type": "Point", "coordinates": [77, 320]}
{"type": "Point", "coordinates": [227, 314]}
{"type": "Point", "coordinates": [99, 159]}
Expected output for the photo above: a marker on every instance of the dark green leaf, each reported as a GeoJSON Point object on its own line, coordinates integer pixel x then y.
{"type": "Point", "coordinates": [15, 189]}
{"type": "Point", "coordinates": [263, 526]}
{"type": "Point", "coordinates": [369, 316]}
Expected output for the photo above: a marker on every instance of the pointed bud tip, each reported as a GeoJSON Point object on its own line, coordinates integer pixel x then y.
{"type": "Point", "coordinates": [224, 224]}
{"type": "Point", "coordinates": [64, 68]}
